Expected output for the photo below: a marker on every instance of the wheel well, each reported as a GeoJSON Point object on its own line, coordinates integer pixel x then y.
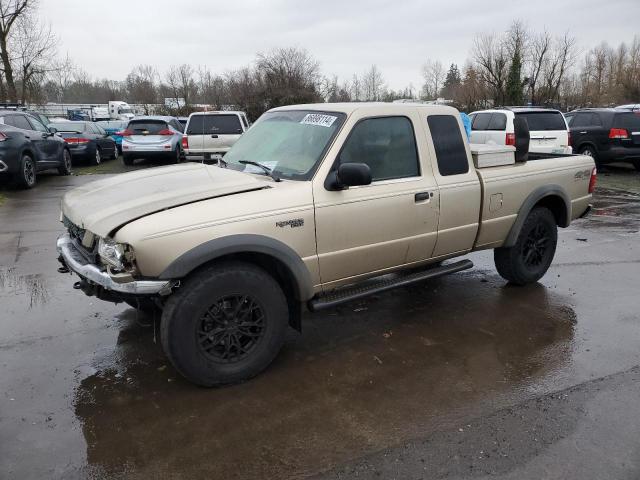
{"type": "Point", "coordinates": [587, 144]}
{"type": "Point", "coordinates": [557, 206]}
{"type": "Point", "coordinates": [279, 271]}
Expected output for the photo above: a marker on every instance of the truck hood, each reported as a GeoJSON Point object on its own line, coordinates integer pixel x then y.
{"type": "Point", "coordinates": [105, 205]}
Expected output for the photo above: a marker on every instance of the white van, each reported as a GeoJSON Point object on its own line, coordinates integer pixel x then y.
{"type": "Point", "coordinates": [212, 134]}
{"type": "Point", "coordinates": [548, 128]}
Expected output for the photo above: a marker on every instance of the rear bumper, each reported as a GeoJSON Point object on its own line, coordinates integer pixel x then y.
{"type": "Point", "coordinates": [73, 259]}
{"type": "Point", "coordinates": [620, 154]}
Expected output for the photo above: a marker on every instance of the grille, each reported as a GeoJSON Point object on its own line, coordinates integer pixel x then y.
{"type": "Point", "coordinates": [74, 230]}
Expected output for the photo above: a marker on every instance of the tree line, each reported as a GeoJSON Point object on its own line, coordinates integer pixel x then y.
{"type": "Point", "coordinates": [514, 67]}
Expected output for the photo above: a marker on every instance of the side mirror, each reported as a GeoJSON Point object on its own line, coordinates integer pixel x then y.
{"type": "Point", "coordinates": [53, 130]}
{"type": "Point", "coordinates": [349, 175]}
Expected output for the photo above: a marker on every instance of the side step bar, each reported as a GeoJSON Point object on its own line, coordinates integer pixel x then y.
{"type": "Point", "coordinates": [342, 296]}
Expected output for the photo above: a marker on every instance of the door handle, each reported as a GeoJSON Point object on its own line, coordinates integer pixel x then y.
{"type": "Point", "coordinates": [214, 136]}
{"type": "Point", "coordinates": [583, 132]}
{"type": "Point", "coordinates": [422, 196]}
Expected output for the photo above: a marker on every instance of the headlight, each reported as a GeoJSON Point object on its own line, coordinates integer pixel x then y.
{"type": "Point", "coordinates": [113, 253]}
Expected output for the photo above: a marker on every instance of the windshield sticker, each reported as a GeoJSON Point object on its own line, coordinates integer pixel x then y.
{"type": "Point", "coordinates": [318, 119]}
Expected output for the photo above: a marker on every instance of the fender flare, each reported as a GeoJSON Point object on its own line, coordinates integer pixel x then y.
{"type": "Point", "coordinates": [244, 243]}
{"type": "Point", "coordinates": [530, 202]}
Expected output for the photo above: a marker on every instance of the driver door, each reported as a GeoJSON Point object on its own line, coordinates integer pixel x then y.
{"type": "Point", "coordinates": [393, 221]}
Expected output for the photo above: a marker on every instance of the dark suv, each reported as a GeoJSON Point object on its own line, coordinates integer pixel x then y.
{"type": "Point", "coordinates": [606, 134]}
{"type": "Point", "coordinates": [28, 147]}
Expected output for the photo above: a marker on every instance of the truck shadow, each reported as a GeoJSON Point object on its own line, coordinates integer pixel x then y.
{"type": "Point", "coordinates": [362, 377]}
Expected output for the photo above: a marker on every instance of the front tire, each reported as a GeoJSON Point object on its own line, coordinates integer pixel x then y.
{"type": "Point", "coordinates": [225, 324]}
{"type": "Point", "coordinates": [65, 168]}
{"type": "Point", "coordinates": [26, 176]}
{"type": "Point", "coordinates": [529, 259]}
{"type": "Point", "coordinates": [97, 157]}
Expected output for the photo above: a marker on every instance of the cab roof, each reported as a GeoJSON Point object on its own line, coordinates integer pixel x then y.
{"type": "Point", "coordinates": [377, 107]}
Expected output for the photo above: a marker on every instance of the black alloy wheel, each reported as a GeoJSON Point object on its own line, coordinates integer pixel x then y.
{"type": "Point", "coordinates": [231, 328]}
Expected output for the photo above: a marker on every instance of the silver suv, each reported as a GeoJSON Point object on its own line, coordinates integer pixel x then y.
{"type": "Point", "coordinates": [152, 137]}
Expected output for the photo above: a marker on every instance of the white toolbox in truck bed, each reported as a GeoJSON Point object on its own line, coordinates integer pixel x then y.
{"type": "Point", "coordinates": [492, 155]}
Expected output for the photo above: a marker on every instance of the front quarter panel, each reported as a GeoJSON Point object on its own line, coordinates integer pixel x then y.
{"type": "Point", "coordinates": [283, 213]}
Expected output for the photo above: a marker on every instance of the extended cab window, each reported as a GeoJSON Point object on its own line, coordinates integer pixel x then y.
{"type": "Point", "coordinates": [214, 124]}
{"type": "Point", "coordinates": [387, 145]}
{"type": "Point", "coordinates": [449, 145]}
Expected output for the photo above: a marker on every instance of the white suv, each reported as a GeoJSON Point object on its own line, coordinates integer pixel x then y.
{"type": "Point", "coordinates": [212, 134]}
{"type": "Point", "coordinates": [548, 128]}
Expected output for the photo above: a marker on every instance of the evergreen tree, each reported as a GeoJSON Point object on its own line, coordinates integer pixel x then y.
{"type": "Point", "coordinates": [514, 94]}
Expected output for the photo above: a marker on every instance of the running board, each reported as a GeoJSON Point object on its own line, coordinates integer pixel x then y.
{"type": "Point", "coordinates": [342, 296]}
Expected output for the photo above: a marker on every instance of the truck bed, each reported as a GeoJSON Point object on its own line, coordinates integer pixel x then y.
{"type": "Point", "coordinates": [505, 190]}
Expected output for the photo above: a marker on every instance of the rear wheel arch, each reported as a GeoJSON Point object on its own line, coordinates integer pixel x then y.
{"type": "Point", "coordinates": [552, 197]}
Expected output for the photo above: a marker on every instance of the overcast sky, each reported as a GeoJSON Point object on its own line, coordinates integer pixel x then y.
{"type": "Point", "coordinates": [345, 36]}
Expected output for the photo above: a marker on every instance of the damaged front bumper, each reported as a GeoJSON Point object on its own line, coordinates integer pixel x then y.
{"type": "Point", "coordinates": [91, 274]}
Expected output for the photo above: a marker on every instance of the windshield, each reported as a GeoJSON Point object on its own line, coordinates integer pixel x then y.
{"type": "Point", "coordinates": [69, 126]}
{"type": "Point", "coordinates": [291, 143]}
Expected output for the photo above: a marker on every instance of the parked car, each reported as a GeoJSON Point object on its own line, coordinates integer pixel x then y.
{"type": "Point", "coordinates": [212, 134]}
{"type": "Point", "coordinates": [630, 106]}
{"type": "Point", "coordinates": [28, 147]}
{"type": "Point", "coordinates": [86, 140]}
{"type": "Point", "coordinates": [152, 137]}
{"type": "Point", "coordinates": [114, 129]}
{"type": "Point", "coordinates": [607, 134]}
{"type": "Point", "coordinates": [183, 121]}
{"type": "Point", "coordinates": [309, 203]}
{"type": "Point", "coordinates": [547, 127]}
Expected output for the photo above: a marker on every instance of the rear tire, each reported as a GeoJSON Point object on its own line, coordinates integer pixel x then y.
{"type": "Point", "coordinates": [65, 168]}
{"type": "Point", "coordinates": [26, 176]}
{"type": "Point", "coordinates": [529, 259]}
{"type": "Point", "coordinates": [127, 159]}
{"type": "Point", "coordinates": [115, 153]}
{"type": "Point", "coordinates": [589, 151]}
{"type": "Point", "coordinates": [177, 155]}
{"type": "Point", "coordinates": [225, 324]}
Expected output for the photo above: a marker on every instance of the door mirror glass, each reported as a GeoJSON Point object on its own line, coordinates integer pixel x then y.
{"type": "Point", "coordinates": [53, 130]}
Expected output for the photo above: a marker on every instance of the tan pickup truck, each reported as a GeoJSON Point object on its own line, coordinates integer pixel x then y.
{"type": "Point", "coordinates": [310, 202]}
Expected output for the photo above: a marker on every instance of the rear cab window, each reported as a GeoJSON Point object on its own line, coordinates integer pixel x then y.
{"type": "Point", "coordinates": [225, 124]}
{"type": "Point", "coordinates": [543, 121]}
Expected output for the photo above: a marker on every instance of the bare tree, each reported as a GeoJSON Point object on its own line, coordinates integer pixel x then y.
{"type": "Point", "coordinates": [540, 51]}
{"type": "Point", "coordinates": [34, 49]}
{"type": "Point", "coordinates": [141, 86]}
{"type": "Point", "coordinates": [560, 61]}
{"type": "Point", "coordinates": [10, 12]}
{"type": "Point", "coordinates": [492, 61]}
{"type": "Point", "coordinates": [62, 77]}
{"type": "Point", "coordinates": [373, 85]}
{"type": "Point", "coordinates": [434, 76]}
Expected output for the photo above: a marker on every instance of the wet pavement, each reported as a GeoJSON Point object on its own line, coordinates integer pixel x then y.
{"type": "Point", "coordinates": [460, 377]}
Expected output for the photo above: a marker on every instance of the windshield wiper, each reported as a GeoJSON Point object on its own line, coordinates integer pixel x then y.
{"type": "Point", "coordinates": [266, 169]}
